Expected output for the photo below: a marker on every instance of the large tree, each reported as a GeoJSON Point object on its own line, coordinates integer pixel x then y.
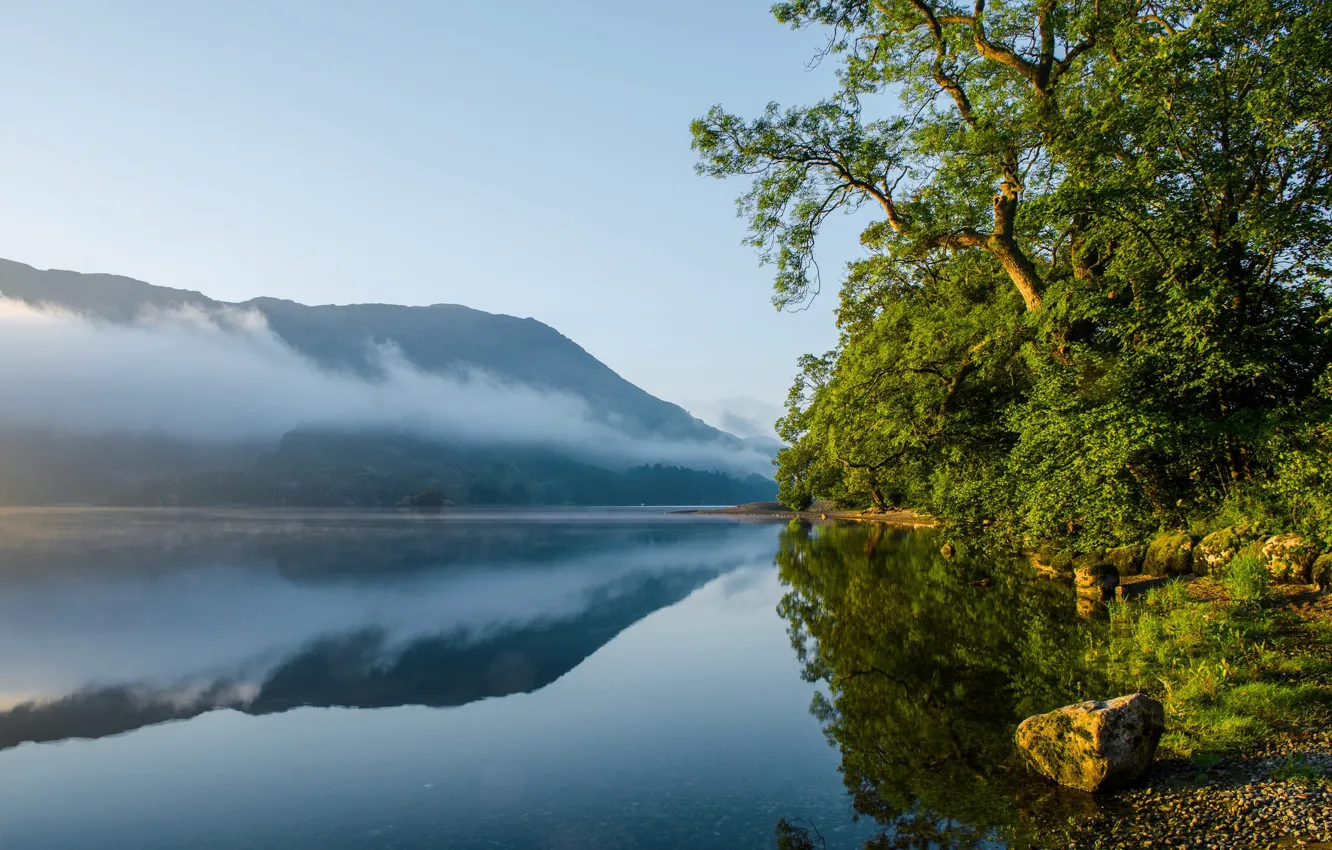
{"type": "Point", "coordinates": [1097, 252]}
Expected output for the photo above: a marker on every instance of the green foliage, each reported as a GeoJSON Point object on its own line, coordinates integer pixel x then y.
{"type": "Point", "coordinates": [793, 836]}
{"type": "Point", "coordinates": [1094, 300]}
{"type": "Point", "coordinates": [1245, 578]}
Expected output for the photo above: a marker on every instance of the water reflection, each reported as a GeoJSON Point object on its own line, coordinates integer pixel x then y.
{"type": "Point", "coordinates": [118, 620]}
{"type": "Point", "coordinates": [927, 665]}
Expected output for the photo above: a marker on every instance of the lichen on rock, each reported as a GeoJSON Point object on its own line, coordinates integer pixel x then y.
{"type": "Point", "coordinates": [1096, 579]}
{"type": "Point", "coordinates": [1094, 746]}
{"type": "Point", "coordinates": [1126, 559]}
{"type": "Point", "coordinates": [1217, 549]}
{"type": "Point", "coordinates": [1289, 558]}
{"type": "Point", "coordinates": [1051, 562]}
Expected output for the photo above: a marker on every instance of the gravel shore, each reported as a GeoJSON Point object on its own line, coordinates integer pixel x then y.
{"type": "Point", "coordinates": [1237, 803]}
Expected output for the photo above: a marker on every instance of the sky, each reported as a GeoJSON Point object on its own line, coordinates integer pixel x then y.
{"type": "Point", "coordinates": [529, 158]}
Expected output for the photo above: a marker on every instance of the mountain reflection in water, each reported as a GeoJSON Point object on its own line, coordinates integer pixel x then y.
{"type": "Point", "coordinates": [559, 589]}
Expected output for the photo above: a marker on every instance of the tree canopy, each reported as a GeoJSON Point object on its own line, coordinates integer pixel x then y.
{"type": "Point", "coordinates": [1094, 294]}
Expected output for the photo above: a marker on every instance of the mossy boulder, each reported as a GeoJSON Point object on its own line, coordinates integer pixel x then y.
{"type": "Point", "coordinates": [1170, 554]}
{"type": "Point", "coordinates": [1126, 559]}
{"type": "Point", "coordinates": [1052, 562]}
{"type": "Point", "coordinates": [1289, 558]}
{"type": "Point", "coordinates": [1216, 550]}
{"type": "Point", "coordinates": [1094, 746]}
{"type": "Point", "coordinates": [1322, 572]}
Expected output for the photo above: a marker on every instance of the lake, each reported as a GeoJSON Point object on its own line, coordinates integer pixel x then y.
{"type": "Point", "coordinates": [276, 680]}
{"type": "Point", "coordinates": [569, 678]}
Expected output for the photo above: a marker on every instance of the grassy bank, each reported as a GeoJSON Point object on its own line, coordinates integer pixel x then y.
{"type": "Point", "coordinates": [1235, 660]}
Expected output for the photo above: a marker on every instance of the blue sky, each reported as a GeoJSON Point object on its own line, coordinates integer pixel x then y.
{"type": "Point", "coordinates": [529, 158]}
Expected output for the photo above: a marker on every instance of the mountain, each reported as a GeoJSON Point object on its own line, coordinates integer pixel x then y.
{"type": "Point", "coordinates": [440, 339]}
{"type": "Point", "coordinates": [660, 454]}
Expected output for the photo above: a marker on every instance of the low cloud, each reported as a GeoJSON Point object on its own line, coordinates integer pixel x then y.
{"type": "Point", "coordinates": [223, 376]}
{"type": "Point", "coordinates": [744, 416]}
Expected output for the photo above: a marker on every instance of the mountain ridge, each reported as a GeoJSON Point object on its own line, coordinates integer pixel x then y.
{"type": "Point", "coordinates": [438, 338]}
{"type": "Point", "coordinates": [669, 456]}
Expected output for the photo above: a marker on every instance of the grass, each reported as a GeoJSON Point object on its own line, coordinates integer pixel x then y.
{"type": "Point", "coordinates": [1298, 769]}
{"type": "Point", "coordinates": [1231, 672]}
{"type": "Point", "coordinates": [1245, 578]}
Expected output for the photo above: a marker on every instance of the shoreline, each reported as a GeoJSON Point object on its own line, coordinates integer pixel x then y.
{"type": "Point", "coordinates": [776, 511]}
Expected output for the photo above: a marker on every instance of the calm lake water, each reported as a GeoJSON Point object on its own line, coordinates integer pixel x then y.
{"type": "Point", "coordinates": [508, 680]}
{"type": "Point", "coordinates": [228, 679]}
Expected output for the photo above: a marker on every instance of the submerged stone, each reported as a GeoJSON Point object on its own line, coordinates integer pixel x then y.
{"type": "Point", "coordinates": [1171, 554]}
{"type": "Point", "coordinates": [1094, 746]}
{"type": "Point", "coordinates": [1092, 608]}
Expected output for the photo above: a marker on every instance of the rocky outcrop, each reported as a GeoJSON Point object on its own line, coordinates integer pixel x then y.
{"type": "Point", "coordinates": [1289, 558]}
{"type": "Point", "coordinates": [1216, 550]}
{"type": "Point", "coordinates": [1322, 572]}
{"type": "Point", "coordinates": [1052, 562]}
{"type": "Point", "coordinates": [1126, 559]}
{"type": "Point", "coordinates": [1096, 580]}
{"type": "Point", "coordinates": [1171, 554]}
{"type": "Point", "coordinates": [1094, 746]}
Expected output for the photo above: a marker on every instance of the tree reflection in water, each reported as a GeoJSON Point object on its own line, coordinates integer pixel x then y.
{"type": "Point", "coordinates": [927, 667]}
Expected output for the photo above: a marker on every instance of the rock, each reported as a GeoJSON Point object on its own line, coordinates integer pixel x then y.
{"type": "Point", "coordinates": [1127, 559]}
{"type": "Point", "coordinates": [948, 551]}
{"type": "Point", "coordinates": [1094, 746]}
{"type": "Point", "coordinates": [1322, 572]}
{"type": "Point", "coordinates": [1052, 562]}
{"type": "Point", "coordinates": [1289, 558]}
{"type": "Point", "coordinates": [1171, 554]}
{"type": "Point", "coordinates": [1097, 580]}
{"type": "Point", "coordinates": [1089, 559]}
{"type": "Point", "coordinates": [1216, 550]}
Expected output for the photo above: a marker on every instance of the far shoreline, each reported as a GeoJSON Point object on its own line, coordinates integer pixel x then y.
{"type": "Point", "coordinates": [904, 518]}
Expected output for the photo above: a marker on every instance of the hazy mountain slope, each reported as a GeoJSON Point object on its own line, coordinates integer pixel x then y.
{"type": "Point", "coordinates": [441, 338]}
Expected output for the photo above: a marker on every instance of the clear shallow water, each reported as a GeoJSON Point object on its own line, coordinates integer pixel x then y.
{"type": "Point", "coordinates": [280, 680]}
